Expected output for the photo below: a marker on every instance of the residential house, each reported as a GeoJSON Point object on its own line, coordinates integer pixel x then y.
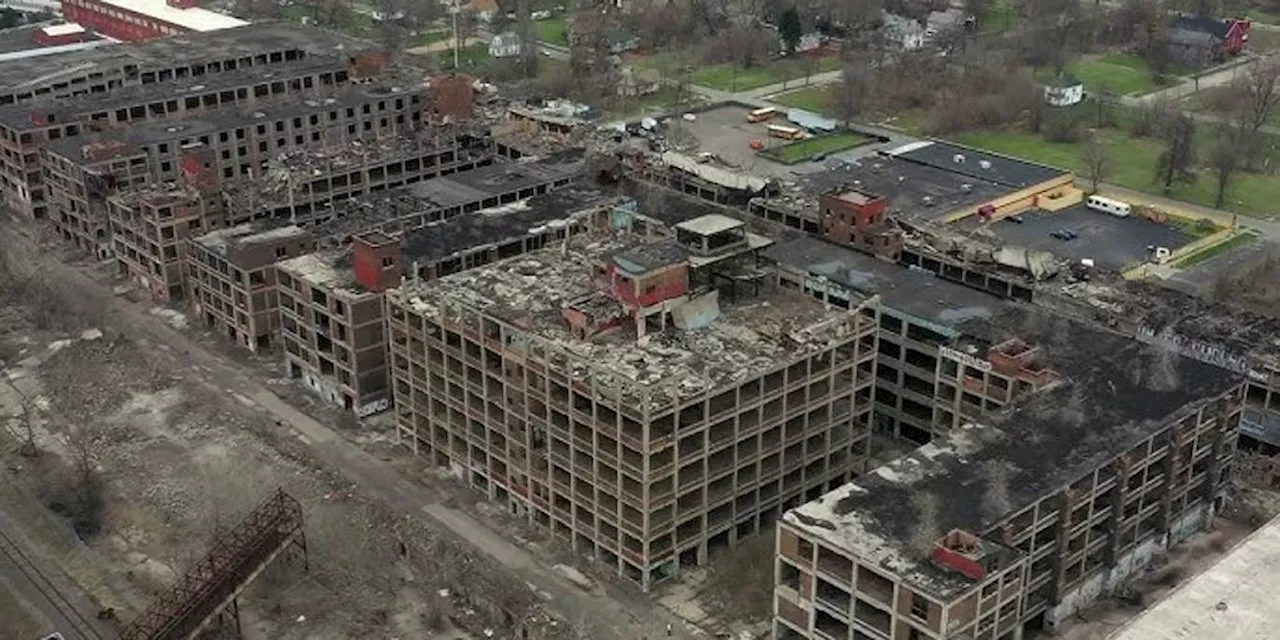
{"type": "Point", "coordinates": [901, 33]}
{"type": "Point", "coordinates": [621, 41]}
{"type": "Point", "coordinates": [810, 41]}
{"type": "Point", "coordinates": [505, 45]}
{"type": "Point", "coordinates": [1196, 40]}
{"type": "Point", "coordinates": [1064, 91]}
{"type": "Point", "coordinates": [941, 23]}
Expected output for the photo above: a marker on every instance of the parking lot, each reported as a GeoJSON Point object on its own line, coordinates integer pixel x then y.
{"type": "Point", "coordinates": [724, 131]}
{"type": "Point", "coordinates": [1111, 242]}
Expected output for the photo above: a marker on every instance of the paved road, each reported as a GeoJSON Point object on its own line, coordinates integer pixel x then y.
{"type": "Point", "coordinates": [64, 608]}
{"type": "Point", "coordinates": [608, 618]}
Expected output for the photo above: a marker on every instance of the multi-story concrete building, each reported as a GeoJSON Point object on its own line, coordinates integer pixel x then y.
{"type": "Point", "coordinates": [102, 70]}
{"type": "Point", "coordinates": [149, 229]}
{"type": "Point", "coordinates": [319, 355]}
{"type": "Point", "coordinates": [136, 20]}
{"type": "Point", "coordinates": [306, 183]}
{"type": "Point", "coordinates": [648, 399]}
{"type": "Point", "coordinates": [1018, 520]}
{"type": "Point", "coordinates": [231, 279]}
{"type": "Point", "coordinates": [333, 327]}
{"type": "Point", "coordinates": [208, 150]}
{"type": "Point", "coordinates": [137, 83]}
{"type": "Point", "coordinates": [435, 200]}
{"type": "Point", "coordinates": [925, 323]}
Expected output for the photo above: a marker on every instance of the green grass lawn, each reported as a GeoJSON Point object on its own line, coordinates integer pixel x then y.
{"type": "Point", "coordinates": [553, 30]}
{"type": "Point", "coordinates": [428, 37]}
{"type": "Point", "coordinates": [659, 101]}
{"type": "Point", "coordinates": [1208, 253]}
{"type": "Point", "coordinates": [1265, 17]}
{"type": "Point", "coordinates": [1133, 165]}
{"type": "Point", "coordinates": [469, 57]}
{"type": "Point", "coordinates": [815, 99]}
{"type": "Point", "coordinates": [1123, 74]}
{"type": "Point", "coordinates": [728, 77]}
{"type": "Point", "coordinates": [1001, 16]}
{"type": "Point", "coordinates": [807, 148]}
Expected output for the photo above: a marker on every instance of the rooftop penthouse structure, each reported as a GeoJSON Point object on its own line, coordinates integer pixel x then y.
{"type": "Point", "coordinates": [646, 397]}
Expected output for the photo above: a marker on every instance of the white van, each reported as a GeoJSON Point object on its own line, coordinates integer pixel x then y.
{"type": "Point", "coordinates": [1107, 205]}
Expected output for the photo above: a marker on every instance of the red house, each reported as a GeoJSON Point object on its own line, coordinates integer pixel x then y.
{"type": "Point", "coordinates": [1196, 39]}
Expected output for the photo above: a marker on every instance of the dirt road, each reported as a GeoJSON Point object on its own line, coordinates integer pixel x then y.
{"type": "Point", "coordinates": [373, 476]}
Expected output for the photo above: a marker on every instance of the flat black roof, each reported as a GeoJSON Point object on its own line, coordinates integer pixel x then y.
{"type": "Point", "coordinates": [1115, 393]}
{"type": "Point", "coordinates": [19, 115]}
{"type": "Point", "coordinates": [1001, 169]}
{"type": "Point", "coordinates": [913, 190]}
{"type": "Point", "coordinates": [913, 292]}
{"type": "Point", "coordinates": [209, 122]}
{"type": "Point", "coordinates": [499, 224]}
{"type": "Point", "coordinates": [173, 51]}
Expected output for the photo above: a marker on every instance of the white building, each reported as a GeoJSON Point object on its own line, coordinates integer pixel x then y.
{"type": "Point", "coordinates": [504, 45]}
{"type": "Point", "coordinates": [1064, 91]}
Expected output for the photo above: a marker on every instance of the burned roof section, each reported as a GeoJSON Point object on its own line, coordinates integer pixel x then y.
{"type": "Point", "coordinates": [497, 225]}
{"type": "Point", "coordinates": [1114, 392]}
{"type": "Point", "coordinates": [164, 53]}
{"type": "Point", "coordinates": [745, 336]}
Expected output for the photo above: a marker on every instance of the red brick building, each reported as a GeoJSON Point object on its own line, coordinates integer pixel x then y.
{"type": "Point", "coordinates": [136, 20]}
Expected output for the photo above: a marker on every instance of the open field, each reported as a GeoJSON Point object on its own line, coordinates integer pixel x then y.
{"type": "Point", "coordinates": [663, 100]}
{"type": "Point", "coordinates": [809, 147]}
{"type": "Point", "coordinates": [815, 99]}
{"type": "Point", "coordinates": [1122, 74]}
{"type": "Point", "coordinates": [553, 30]}
{"type": "Point", "coordinates": [1132, 165]}
{"type": "Point", "coordinates": [732, 78]}
{"type": "Point", "coordinates": [472, 56]}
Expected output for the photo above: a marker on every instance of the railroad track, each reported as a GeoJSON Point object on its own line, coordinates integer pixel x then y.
{"type": "Point", "coordinates": [72, 623]}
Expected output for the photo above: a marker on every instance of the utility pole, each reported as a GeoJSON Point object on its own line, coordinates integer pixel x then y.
{"type": "Point", "coordinates": [454, 8]}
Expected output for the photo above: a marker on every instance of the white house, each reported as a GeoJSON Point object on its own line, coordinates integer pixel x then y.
{"type": "Point", "coordinates": [1064, 91]}
{"type": "Point", "coordinates": [504, 45]}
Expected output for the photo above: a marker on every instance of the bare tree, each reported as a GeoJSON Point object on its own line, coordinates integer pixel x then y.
{"type": "Point", "coordinates": [1261, 89]}
{"type": "Point", "coordinates": [1097, 163]}
{"type": "Point", "coordinates": [260, 9]}
{"type": "Point", "coordinates": [1230, 145]}
{"type": "Point", "coordinates": [1103, 100]}
{"type": "Point", "coordinates": [743, 576]}
{"type": "Point", "coordinates": [743, 46]}
{"type": "Point", "coordinates": [851, 97]}
{"type": "Point", "coordinates": [1175, 163]}
{"type": "Point", "coordinates": [25, 416]}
